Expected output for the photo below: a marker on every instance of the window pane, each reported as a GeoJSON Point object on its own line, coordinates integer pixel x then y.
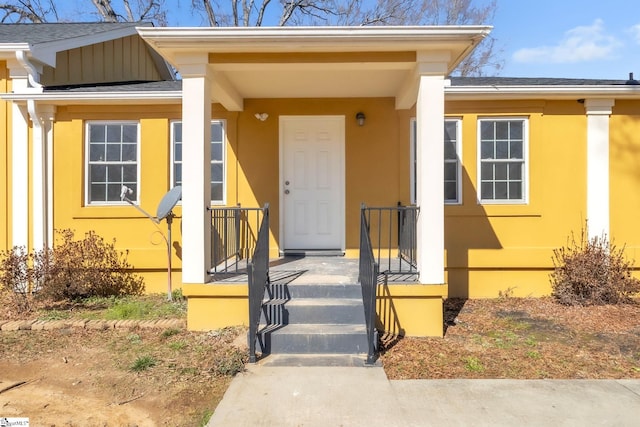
{"type": "Point", "coordinates": [517, 129]}
{"type": "Point", "coordinates": [486, 171]}
{"type": "Point", "coordinates": [515, 171]}
{"type": "Point", "coordinates": [500, 171]}
{"type": "Point", "coordinates": [216, 172]}
{"type": "Point", "coordinates": [502, 130]}
{"type": "Point", "coordinates": [515, 190]}
{"type": "Point", "coordinates": [177, 152]}
{"type": "Point", "coordinates": [216, 192]}
{"type": "Point", "coordinates": [450, 171]}
{"type": "Point", "coordinates": [113, 192]}
{"type": "Point", "coordinates": [216, 132]}
{"type": "Point", "coordinates": [96, 133]}
{"type": "Point", "coordinates": [450, 151]}
{"type": "Point", "coordinates": [114, 174]}
{"type": "Point", "coordinates": [487, 190]}
{"type": "Point", "coordinates": [98, 173]}
{"type": "Point", "coordinates": [97, 193]}
{"type": "Point", "coordinates": [486, 130]}
{"type": "Point", "coordinates": [129, 152]}
{"type": "Point", "coordinates": [501, 190]}
{"type": "Point", "coordinates": [113, 152]}
{"type": "Point", "coordinates": [216, 151]}
{"type": "Point", "coordinates": [450, 131]}
{"type": "Point", "coordinates": [114, 133]}
{"type": "Point", "coordinates": [177, 174]}
{"type": "Point", "coordinates": [486, 150]}
{"type": "Point", "coordinates": [516, 150]}
{"type": "Point", "coordinates": [129, 133]}
{"type": "Point", "coordinates": [96, 152]}
{"type": "Point", "coordinates": [502, 150]}
{"type": "Point", "coordinates": [134, 190]}
{"type": "Point", "coordinates": [450, 191]}
{"type": "Point", "coordinates": [130, 173]}
{"type": "Point", "coordinates": [177, 132]}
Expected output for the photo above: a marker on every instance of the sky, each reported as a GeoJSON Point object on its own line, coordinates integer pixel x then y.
{"type": "Point", "coordinates": [569, 38]}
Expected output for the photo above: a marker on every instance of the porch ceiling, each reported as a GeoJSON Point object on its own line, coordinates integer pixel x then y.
{"type": "Point", "coordinates": [316, 62]}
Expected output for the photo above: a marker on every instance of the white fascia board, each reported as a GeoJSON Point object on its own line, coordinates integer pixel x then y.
{"type": "Point", "coordinates": [46, 52]}
{"type": "Point", "coordinates": [172, 97]}
{"type": "Point", "coordinates": [306, 39]}
{"type": "Point", "coordinates": [470, 93]}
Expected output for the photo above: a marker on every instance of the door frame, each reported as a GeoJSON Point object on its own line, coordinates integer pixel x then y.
{"type": "Point", "coordinates": [340, 119]}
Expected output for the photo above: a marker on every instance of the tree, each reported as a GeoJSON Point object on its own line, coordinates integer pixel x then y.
{"type": "Point", "coordinates": [246, 13]}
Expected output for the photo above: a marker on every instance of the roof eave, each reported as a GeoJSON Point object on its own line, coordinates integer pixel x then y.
{"type": "Point", "coordinates": [71, 98]}
{"type": "Point", "coordinates": [470, 93]}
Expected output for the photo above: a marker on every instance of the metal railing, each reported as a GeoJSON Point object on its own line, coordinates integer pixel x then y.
{"type": "Point", "coordinates": [234, 232]}
{"type": "Point", "coordinates": [393, 233]}
{"type": "Point", "coordinates": [258, 275]}
{"type": "Point", "coordinates": [368, 278]}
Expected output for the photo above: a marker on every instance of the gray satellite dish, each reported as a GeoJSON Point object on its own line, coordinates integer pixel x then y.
{"type": "Point", "coordinates": [168, 202]}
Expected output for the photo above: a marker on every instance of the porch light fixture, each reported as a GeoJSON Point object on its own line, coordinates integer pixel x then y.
{"type": "Point", "coordinates": [360, 117]}
{"type": "Point", "coordinates": [262, 116]}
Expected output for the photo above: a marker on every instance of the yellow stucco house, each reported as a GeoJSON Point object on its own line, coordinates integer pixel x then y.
{"type": "Point", "coordinates": [86, 109]}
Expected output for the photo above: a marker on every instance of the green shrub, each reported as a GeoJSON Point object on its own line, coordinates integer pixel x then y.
{"type": "Point", "coordinates": [592, 272]}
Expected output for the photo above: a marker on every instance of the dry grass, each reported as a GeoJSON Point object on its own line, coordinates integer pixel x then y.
{"type": "Point", "coordinates": [523, 339]}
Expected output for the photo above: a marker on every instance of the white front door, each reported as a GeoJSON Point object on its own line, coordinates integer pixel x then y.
{"type": "Point", "coordinates": [312, 182]}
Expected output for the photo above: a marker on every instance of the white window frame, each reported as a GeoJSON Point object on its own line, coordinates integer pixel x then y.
{"type": "Point", "coordinates": [412, 160]}
{"type": "Point", "coordinates": [525, 161]}
{"type": "Point", "coordinates": [88, 162]}
{"type": "Point", "coordinates": [223, 123]}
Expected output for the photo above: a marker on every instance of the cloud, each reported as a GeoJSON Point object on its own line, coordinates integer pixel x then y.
{"type": "Point", "coordinates": [635, 33]}
{"type": "Point", "coordinates": [584, 43]}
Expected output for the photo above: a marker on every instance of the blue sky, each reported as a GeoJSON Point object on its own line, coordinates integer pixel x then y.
{"type": "Point", "coordinates": [569, 38]}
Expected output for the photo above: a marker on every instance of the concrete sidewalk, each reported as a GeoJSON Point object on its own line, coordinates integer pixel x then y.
{"type": "Point", "coordinates": [363, 396]}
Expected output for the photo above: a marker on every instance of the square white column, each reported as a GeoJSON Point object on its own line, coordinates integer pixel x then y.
{"type": "Point", "coordinates": [430, 178]}
{"type": "Point", "coordinates": [196, 173]}
{"type": "Point", "coordinates": [19, 169]}
{"type": "Point", "coordinates": [598, 112]}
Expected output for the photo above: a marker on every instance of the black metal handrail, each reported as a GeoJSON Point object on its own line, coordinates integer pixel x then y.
{"type": "Point", "coordinates": [393, 233]}
{"type": "Point", "coordinates": [234, 232]}
{"type": "Point", "coordinates": [258, 275]}
{"type": "Point", "coordinates": [368, 278]}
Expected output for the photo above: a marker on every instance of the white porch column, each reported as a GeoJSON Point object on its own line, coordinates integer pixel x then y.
{"type": "Point", "coordinates": [41, 117]}
{"type": "Point", "coordinates": [430, 178]}
{"type": "Point", "coordinates": [19, 162]}
{"type": "Point", "coordinates": [196, 168]}
{"type": "Point", "coordinates": [598, 112]}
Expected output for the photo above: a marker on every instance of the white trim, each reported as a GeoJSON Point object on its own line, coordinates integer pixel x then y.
{"type": "Point", "coordinates": [525, 161]}
{"type": "Point", "coordinates": [19, 173]}
{"type": "Point", "coordinates": [87, 179]}
{"type": "Point", "coordinates": [598, 112]}
{"type": "Point", "coordinates": [555, 92]}
{"type": "Point", "coordinates": [70, 98]}
{"type": "Point", "coordinates": [342, 176]}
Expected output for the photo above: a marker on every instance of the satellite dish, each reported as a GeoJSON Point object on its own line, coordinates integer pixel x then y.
{"type": "Point", "coordinates": [168, 202]}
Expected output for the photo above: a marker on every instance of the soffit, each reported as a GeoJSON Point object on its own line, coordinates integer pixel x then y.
{"type": "Point", "coordinates": [314, 62]}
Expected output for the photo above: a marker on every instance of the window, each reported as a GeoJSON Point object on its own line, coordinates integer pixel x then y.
{"type": "Point", "coordinates": [502, 162]}
{"type": "Point", "coordinates": [217, 159]}
{"type": "Point", "coordinates": [452, 163]}
{"type": "Point", "coordinates": [112, 161]}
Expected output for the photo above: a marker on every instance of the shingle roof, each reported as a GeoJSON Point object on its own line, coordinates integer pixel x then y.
{"type": "Point", "coordinates": [50, 32]}
{"type": "Point", "coordinates": [165, 85]}
{"type": "Point", "coordinates": [531, 81]}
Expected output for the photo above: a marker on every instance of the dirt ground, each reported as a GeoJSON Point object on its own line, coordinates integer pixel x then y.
{"type": "Point", "coordinates": [523, 339]}
{"type": "Point", "coordinates": [85, 378]}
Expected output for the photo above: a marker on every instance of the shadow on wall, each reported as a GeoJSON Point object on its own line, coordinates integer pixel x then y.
{"type": "Point", "coordinates": [466, 227]}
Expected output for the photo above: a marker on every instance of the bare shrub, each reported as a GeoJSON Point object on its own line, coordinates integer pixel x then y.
{"type": "Point", "coordinates": [15, 279]}
{"type": "Point", "coordinates": [82, 268]}
{"type": "Point", "coordinates": [592, 272]}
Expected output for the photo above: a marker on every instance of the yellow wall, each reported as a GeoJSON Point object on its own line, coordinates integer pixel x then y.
{"type": "Point", "coordinates": [119, 60]}
{"type": "Point", "coordinates": [507, 248]}
{"type": "Point", "coordinates": [624, 164]}
{"type": "Point", "coordinates": [4, 152]}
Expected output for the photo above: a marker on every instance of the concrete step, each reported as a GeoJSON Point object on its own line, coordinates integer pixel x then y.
{"type": "Point", "coordinates": [314, 339]}
{"type": "Point", "coordinates": [316, 360]}
{"type": "Point", "coordinates": [316, 290]}
{"type": "Point", "coordinates": [324, 310]}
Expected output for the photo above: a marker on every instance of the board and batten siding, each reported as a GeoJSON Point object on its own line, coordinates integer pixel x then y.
{"type": "Point", "coordinates": [120, 60]}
